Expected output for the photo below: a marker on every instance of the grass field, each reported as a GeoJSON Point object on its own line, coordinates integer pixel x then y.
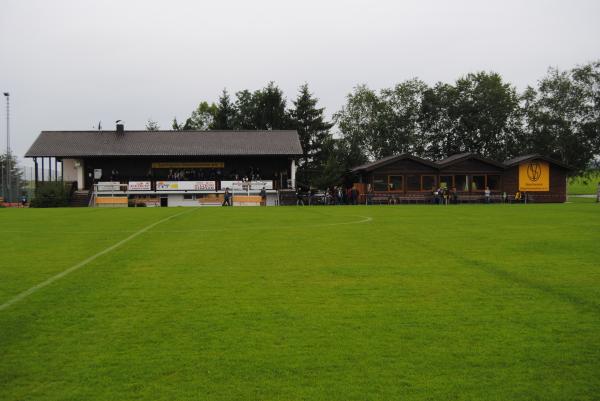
{"type": "Point", "coordinates": [584, 185]}
{"type": "Point", "coordinates": [480, 302]}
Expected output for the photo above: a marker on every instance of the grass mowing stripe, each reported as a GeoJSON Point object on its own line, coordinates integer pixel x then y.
{"type": "Point", "coordinates": [364, 219]}
{"type": "Point", "coordinates": [79, 265]}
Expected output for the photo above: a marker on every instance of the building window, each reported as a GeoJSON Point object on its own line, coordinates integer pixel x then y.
{"type": "Point", "coordinates": [380, 183]}
{"type": "Point", "coordinates": [446, 181]}
{"type": "Point", "coordinates": [395, 182]}
{"type": "Point", "coordinates": [493, 181]}
{"type": "Point", "coordinates": [189, 196]}
{"type": "Point", "coordinates": [413, 183]}
{"type": "Point", "coordinates": [461, 182]}
{"type": "Point", "coordinates": [478, 183]}
{"type": "Point", "coordinates": [427, 182]}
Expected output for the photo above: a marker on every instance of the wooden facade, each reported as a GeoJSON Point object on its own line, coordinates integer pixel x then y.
{"type": "Point", "coordinates": [406, 178]}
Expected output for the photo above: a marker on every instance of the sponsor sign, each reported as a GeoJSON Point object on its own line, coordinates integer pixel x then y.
{"type": "Point", "coordinates": [246, 185]}
{"type": "Point", "coordinates": [185, 185]}
{"type": "Point", "coordinates": [189, 165]}
{"type": "Point", "coordinates": [261, 184]}
{"type": "Point", "coordinates": [108, 186]}
{"type": "Point", "coordinates": [235, 185]}
{"type": "Point", "coordinates": [534, 176]}
{"type": "Point", "coordinates": [139, 186]}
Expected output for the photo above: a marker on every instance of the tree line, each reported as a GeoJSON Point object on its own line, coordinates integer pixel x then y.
{"type": "Point", "coordinates": [480, 112]}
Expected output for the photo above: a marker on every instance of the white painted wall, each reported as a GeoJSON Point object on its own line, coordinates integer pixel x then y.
{"type": "Point", "coordinates": [69, 169]}
{"type": "Point", "coordinates": [177, 200]}
{"type": "Point", "coordinates": [73, 170]}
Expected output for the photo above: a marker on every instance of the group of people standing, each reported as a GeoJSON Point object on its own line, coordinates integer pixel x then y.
{"type": "Point", "coordinates": [443, 195]}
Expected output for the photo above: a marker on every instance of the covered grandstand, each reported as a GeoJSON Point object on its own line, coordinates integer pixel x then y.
{"type": "Point", "coordinates": [169, 168]}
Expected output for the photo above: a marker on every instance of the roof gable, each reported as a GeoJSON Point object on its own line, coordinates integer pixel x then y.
{"type": "Point", "coordinates": [523, 159]}
{"type": "Point", "coordinates": [390, 160]}
{"type": "Point", "coordinates": [461, 157]}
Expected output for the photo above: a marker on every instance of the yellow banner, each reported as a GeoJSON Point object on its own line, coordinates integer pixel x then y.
{"type": "Point", "coordinates": [189, 165]}
{"type": "Point", "coordinates": [534, 176]}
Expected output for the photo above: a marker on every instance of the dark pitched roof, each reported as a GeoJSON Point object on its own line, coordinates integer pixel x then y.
{"type": "Point", "coordinates": [521, 159]}
{"type": "Point", "coordinates": [165, 143]}
{"type": "Point", "coordinates": [467, 155]}
{"type": "Point", "coordinates": [391, 159]}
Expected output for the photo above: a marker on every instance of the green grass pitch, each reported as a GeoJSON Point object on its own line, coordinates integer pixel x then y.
{"type": "Point", "coordinates": [479, 302]}
{"type": "Point", "coordinates": [584, 185]}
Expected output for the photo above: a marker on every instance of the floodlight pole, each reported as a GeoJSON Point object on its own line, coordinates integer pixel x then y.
{"type": "Point", "coordinates": [8, 175]}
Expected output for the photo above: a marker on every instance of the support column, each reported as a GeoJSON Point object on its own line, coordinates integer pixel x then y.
{"type": "Point", "coordinates": [62, 171]}
{"type": "Point", "coordinates": [36, 172]}
{"type": "Point", "coordinates": [80, 174]}
{"type": "Point", "coordinates": [293, 173]}
{"type": "Point", "coordinates": [42, 169]}
{"type": "Point", "coordinates": [55, 169]}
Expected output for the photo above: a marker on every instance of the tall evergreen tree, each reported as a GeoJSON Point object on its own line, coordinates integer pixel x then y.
{"type": "Point", "coordinates": [175, 125]}
{"type": "Point", "coordinates": [245, 107]}
{"type": "Point", "coordinates": [313, 131]}
{"type": "Point", "coordinates": [225, 116]}
{"type": "Point", "coordinates": [270, 112]}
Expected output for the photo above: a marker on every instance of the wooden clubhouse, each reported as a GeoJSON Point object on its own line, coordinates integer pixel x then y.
{"type": "Point", "coordinates": [406, 178]}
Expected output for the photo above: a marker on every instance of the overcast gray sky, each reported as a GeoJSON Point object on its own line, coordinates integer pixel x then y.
{"type": "Point", "coordinates": [69, 64]}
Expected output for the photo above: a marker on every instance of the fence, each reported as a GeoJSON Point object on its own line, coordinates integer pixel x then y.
{"type": "Point", "coordinates": [23, 182]}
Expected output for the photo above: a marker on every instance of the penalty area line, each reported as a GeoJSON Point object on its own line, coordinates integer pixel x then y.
{"type": "Point", "coordinates": [81, 264]}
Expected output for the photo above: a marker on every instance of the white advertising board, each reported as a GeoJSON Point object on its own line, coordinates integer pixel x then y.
{"type": "Point", "coordinates": [139, 186]}
{"type": "Point", "coordinates": [245, 185]}
{"type": "Point", "coordinates": [185, 185]}
{"type": "Point", "coordinates": [108, 186]}
{"type": "Point", "coordinates": [261, 184]}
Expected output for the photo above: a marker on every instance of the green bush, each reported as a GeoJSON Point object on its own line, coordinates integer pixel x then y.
{"type": "Point", "coordinates": [50, 194]}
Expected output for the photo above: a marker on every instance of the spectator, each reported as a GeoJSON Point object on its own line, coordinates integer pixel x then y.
{"type": "Point", "coordinates": [518, 196]}
{"type": "Point", "coordinates": [263, 196]}
{"type": "Point", "coordinates": [454, 196]}
{"type": "Point", "coordinates": [487, 194]}
{"type": "Point", "coordinates": [227, 201]}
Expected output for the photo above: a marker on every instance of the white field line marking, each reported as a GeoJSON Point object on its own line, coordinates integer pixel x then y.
{"type": "Point", "coordinates": [364, 219]}
{"type": "Point", "coordinates": [79, 265]}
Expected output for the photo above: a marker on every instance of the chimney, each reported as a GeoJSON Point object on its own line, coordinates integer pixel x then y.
{"type": "Point", "coordinates": [120, 127]}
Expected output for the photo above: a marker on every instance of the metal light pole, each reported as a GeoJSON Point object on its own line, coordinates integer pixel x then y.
{"type": "Point", "coordinates": [8, 169]}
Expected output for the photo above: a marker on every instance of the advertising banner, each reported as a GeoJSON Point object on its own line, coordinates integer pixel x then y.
{"type": "Point", "coordinates": [185, 185]}
{"type": "Point", "coordinates": [261, 184]}
{"type": "Point", "coordinates": [534, 176]}
{"type": "Point", "coordinates": [246, 185]}
{"type": "Point", "coordinates": [235, 185]}
{"type": "Point", "coordinates": [108, 186]}
{"type": "Point", "coordinates": [139, 186]}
